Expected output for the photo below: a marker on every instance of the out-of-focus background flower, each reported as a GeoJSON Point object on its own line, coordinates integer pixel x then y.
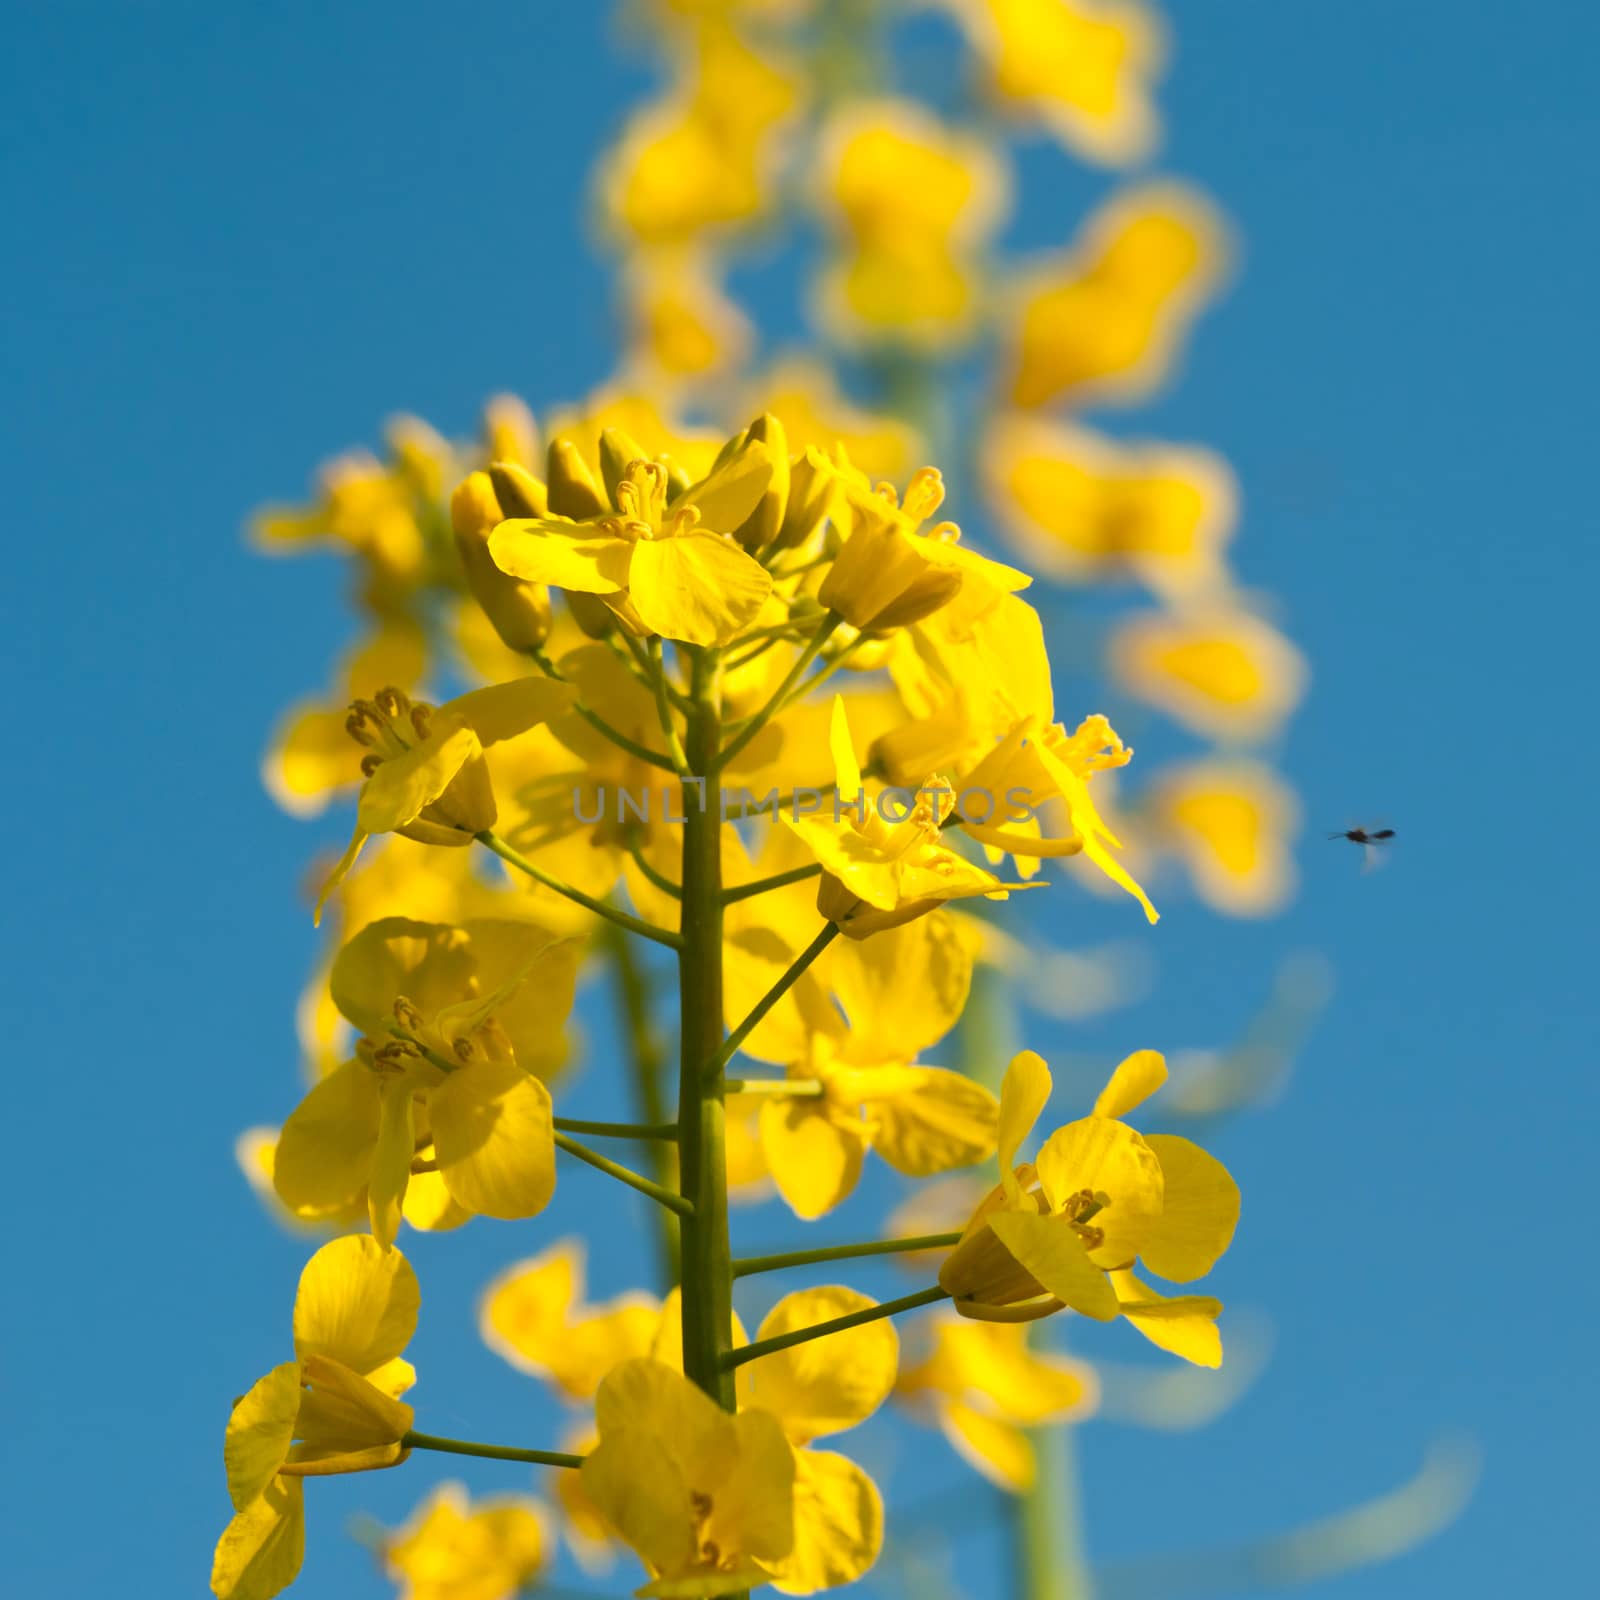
{"type": "Point", "coordinates": [240, 239]}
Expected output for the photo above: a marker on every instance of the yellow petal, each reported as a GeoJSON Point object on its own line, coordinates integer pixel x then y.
{"type": "Point", "coordinates": [814, 1161]}
{"type": "Point", "coordinates": [260, 1551]}
{"type": "Point", "coordinates": [641, 1492]}
{"type": "Point", "coordinates": [932, 1120]}
{"type": "Point", "coordinates": [357, 1303]}
{"type": "Point", "coordinates": [1132, 1083]}
{"type": "Point", "coordinates": [390, 1177]}
{"type": "Point", "coordinates": [1023, 1093]}
{"type": "Point", "coordinates": [826, 1385]}
{"type": "Point", "coordinates": [1055, 1255]}
{"type": "Point", "coordinates": [1107, 1159]}
{"type": "Point", "coordinates": [995, 1447]}
{"type": "Point", "coordinates": [260, 1431]}
{"type": "Point", "coordinates": [902, 990]}
{"type": "Point", "coordinates": [838, 1525]}
{"type": "Point", "coordinates": [325, 1150]}
{"type": "Point", "coordinates": [733, 490]}
{"type": "Point", "coordinates": [563, 554]}
{"type": "Point", "coordinates": [1200, 1212]}
{"type": "Point", "coordinates": [493, 1131]}
{"type": "Point", "coordinates": [404, 786]}
{"type": "Point", "coordinates": [697, 1431]}
{"type": "Point", "coordinates": [1184, 1325]}
{"type": "Point", "coordinates": [523, 1312]}
{"type": "Point", "coordinates": [846, 769]}
{"type": "Point", "coordinates": [696, 587]}
{"type": "Point", "coordinates": [430, 963]}
{"type": "Point", "coordinates": [503, 710]}
{"type": "Point", "coordinates": [754, 1492]}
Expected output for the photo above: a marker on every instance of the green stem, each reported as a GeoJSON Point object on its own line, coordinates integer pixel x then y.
{"type": "Point", "coordinates": [797, 1088]}
{"type": "Point", "coordinates": [640, 752]}
{"type": "Point", "coordinates": [820, 1330]}
{"type": "Point", "coordinates": [659, 879]}
{"type": "Point", "coordinates": [491, 1452]}
{"type": "Point", "coordinates": [744, 1266]}
{"type": "Point", "coordinates": [779, 880]}
{"type": "Point", "coordinates": [1049, 1524]}
{"type": "Point", "coordinates": [615, 1169]}
{"type": "Point", "coordinates": [730, 1046]}
{"type": "Point", "coordinates": [619, 1130]}
{"type": "Point", "coordinates": [669, 729]}
{"type": "Point", "coordinates": [756, 723]}
{"type": "Point", "coordinates": [707, 1278]}
{"type": "Point", "coordinates": [645, 930]}
{"type": "Point", "coordinates": [648, 1062]}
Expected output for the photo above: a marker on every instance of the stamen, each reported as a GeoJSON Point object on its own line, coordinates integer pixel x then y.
{"type": "Point", "coordinates": [924, 494]}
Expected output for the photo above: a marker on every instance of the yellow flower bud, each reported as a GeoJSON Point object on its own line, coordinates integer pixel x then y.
{"type": "Point", "coordinates": [571, 486]}
{"type": "Point", "coordinates": [764, 524]}
{"type": "Point", "coordinates": [519, 611]}
{"type": "Point", "coordinates": [520, 493]}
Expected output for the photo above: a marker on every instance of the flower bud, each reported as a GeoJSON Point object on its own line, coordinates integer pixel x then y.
{"type": "Point", "coordinates": [617, 448]}
{"type": "Point", "coordinates": [815, 487]}
{"type": "Point", "coordinates": [519, 611]}
{"type": "Point", "coordinates": [571, 486]}
{"type": "Point", "coordinates": [763, 524]}
{"type": "Point", "coordinates": [520, 493]}
{"type": "Point", "coordinates": [880, 578]}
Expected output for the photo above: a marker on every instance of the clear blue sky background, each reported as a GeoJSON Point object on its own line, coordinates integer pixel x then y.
{"type": "Point", "coordinates": [238, 237]}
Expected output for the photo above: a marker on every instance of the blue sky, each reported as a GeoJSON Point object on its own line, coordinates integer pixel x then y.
{"type": "Point", "coordinates": [242, 237]}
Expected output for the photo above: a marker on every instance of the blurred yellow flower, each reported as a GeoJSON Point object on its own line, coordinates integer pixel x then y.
{"type": "Point", "coordinates": [1067, 1229]}
{"type": "Point", "coordinates": [1232, 823]}
{"type": "Point", "coordinates": [1082, 67]}
{"type": "Point", "coordinates": [682, 326]}
{"type": "Point", "coordinates": [452, 1549]}
{"type": "Point", "coordinates": [985, 1388]}
{"type": "Point", "coordinates": [1218, 670]}
{"type": "Point", "coordinates": [533, 1314]}
{"type": "Point", "coordinates": [910, 201]}
{"type": "Point", "coordinates": [1105, 322]}
{"type": "Point", "coordinates": [703, 158]}
{"type": "Point", "coordinates": [705, 1498]}
{"type": "Point", "coordinates": [334, 1408]}
{"type": "Point", "coordinates": [1086, 509]}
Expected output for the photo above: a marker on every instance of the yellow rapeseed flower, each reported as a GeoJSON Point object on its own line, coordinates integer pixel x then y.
{"type": "Point", "coordinates": [1232, 823]}
{"type": "Point", "coordinates": [664, 547]}
{"type": "Point", "coordinates": [426, 776]}
{"type": "Point", "coordinates": [986, 1388]}
{"type": "Point", "coordinates": [334, 1408]}
{"type": "Point", "coordinates": [705, 1498]}
{"type": "Point", "coordinates": [877, 873]}
{"type": "Point", "coordinates": [1082, 67]}
{"type": "Point", "coordinates": [882, 1001]}
{"type": "Point", "coordinates": [1218, 669]}
{"type": "Point", "coordinates": [1035, 765]}
{"type": "Point", "coordinates": [440, 1083]}
{"type": "Point", "coordinates": [888, 573]}
{"type": "Point", "coordinates": [815, 1389]}
{"type": "Point", "coordinates": [453, 1549]}
{"type": "Point", "coordinates": [1105, 323]}
{"type": "Point", "coordinates": [909, 201]}
{"type": "Point", "coordinates": [1068, 1229]}
{"type": "Point", "coordinates": [1086, 509]}
{"type": "Point", "coordinates": [533, 1315]}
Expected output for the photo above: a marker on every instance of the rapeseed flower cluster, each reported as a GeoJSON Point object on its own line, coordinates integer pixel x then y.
{"type": "Point", "coordinates": [696, 671]}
